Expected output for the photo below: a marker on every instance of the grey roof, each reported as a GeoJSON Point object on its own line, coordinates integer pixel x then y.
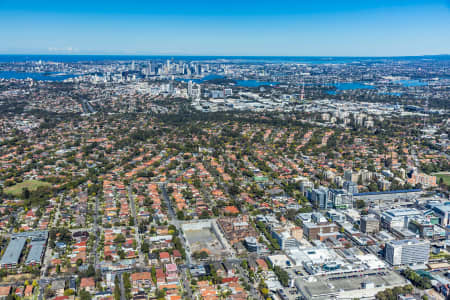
{"type": "Point", "coordinates": [388, 192]}
{"type": "Point", "coordinates": [409, 241]}
{"type": "Point", "coordinates": [58, 284]}
{"type": "Point", "coordinates": [442, 208]}
{"type": "Point", "coordinates": [400, 212]}
{"type": "Point", "coordinates": [33, 235]}
{"type": "Point", "coordinates": [12, 253]}
{"type": "Point", "coordinates": [36, 251]}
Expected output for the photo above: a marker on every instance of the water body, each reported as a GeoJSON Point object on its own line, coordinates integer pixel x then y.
{"type": "Point", "coordinates": [243, 83]}
{"type": "Point", "coordinates": [391, 94]}
{"type": "Point", "coordinates": [200, 80]}
{"type": "Point", "coordinates": [254, 83]}
{"type": "Point", "coordinates": [411, 83]}
{"type": "Point", "coordinates": [35, 76]}
{"type": "Point", "coordinates": [343, 86]}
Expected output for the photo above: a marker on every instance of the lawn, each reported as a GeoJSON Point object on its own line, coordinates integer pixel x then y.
{"type": "Point", "coordinates": [445, 176]}
{"type": "Point", "coordinates": [32, 185]}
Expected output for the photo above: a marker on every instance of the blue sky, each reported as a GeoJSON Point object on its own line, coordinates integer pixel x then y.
{"type": "Point", "coordinates": [200, 27]}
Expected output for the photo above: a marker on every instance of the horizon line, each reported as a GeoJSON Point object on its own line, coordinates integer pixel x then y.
{"type": "Point", "coordinates": [216, 55]}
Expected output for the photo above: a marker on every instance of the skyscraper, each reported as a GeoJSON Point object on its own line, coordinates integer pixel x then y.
{"type": "Point", "coordinates": [190, 85]}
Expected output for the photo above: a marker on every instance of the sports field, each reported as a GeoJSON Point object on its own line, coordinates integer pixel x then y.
{"type": "Point", "coordinates": [445, 176]}
{"type": "Point", "coordinates": [32, 185]}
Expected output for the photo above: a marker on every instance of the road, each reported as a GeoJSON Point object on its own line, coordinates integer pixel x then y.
{"type": "Point", "coordinates": [186, 284]}
{"type": "Point", "coordinates": [122, 288]}
{"type": "Point", "coordinates": [43, 282]}
{"type": "Point", "coordinates": [174, 221]}
{"type": "Point", "coordinates": [87, 107]}
{"type": "Point", "coordinates": [136, 227]}
{"type": "Point", "coordinates": [96, 231]}
{"type": "Point", "coordinates": [253, 292]}
{"type": "Point", "coordinates": [48, 250]}
{"type": "Point", "coordinates": [172, 215]}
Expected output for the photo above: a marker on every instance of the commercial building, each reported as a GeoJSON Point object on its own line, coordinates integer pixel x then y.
{"type": "Point", "coordinates": [284, 239]}
{"type": "Point", "coordinates": [389, 196]}
{"type": "Point", "coordinates": [370, 224]}
{"type": "Point", "coordinates": [398, 218]}
{"type": "Point", "coordinates": [336, 216]}
{"type": "Point", "coordinates": [407, 252]}
{"type": "Point", "coordinates": [320, 232]}
{"type": "Point", "coordinates": [351, 187]}
{"type": "Point", "coordinates": [318, 218]}
{"type": "Point", "coordinates": [280, 260]}
{"type": "Point", "coordinates": [425, 229]}
{"type": "Point", "coordinates": [322, 260]}
{"type": "Point", "coordinates": [352, 286]}
{"type": "Point", "coordinates": [198, 270]}
{"type": "Point", "coordinates": [297, 233]}
{"type": "Point", "coordinates": [251, 244]}
{"type": "Point", "coordinates": [442, 212]}
{"type": "Point", "coordinates": [340, 199]}
{"type": "Point", "coordinates": [349, 175]}
{"type": "Point", "coordinates": [319, 197]}
{"type": "Point", "coordinates": [306, 186]}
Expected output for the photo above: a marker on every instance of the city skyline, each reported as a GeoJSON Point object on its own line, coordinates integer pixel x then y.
{"type": "Point", "coordinates": [287, 28]}
{"type": "Point", "coordinates": [246, 150]}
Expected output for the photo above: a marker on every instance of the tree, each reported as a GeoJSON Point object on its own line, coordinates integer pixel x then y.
{"type": "Point", "coordinates": [153, 272]}
{"type": "Point", "coordinates": [263, 288]}
{"type": "Point", "coordinates": [417, 280]}
{"type": "Point", "coordinates": [145, 247]}
{"type": "Point", "coordinates": [360, 204]}
{"type": "Point", "coordinates": [204, 214]}
{"type": "Point", "coordinates": [90, 272]}
{"type": "Point", "coordinates": [160, 294]}
{"type": "Point", "coordinates": [117, 292]}
{"type": "Point", "coordinates": [200, 255]}
{"type": "Point", "coordinates": [25, 193]}
{"type": "Point", "coordinates": [180, 215]}
{"type": "Point", "coordinates": [373, 187]}
{"type": "Point", "coordinates": [282, 275]}
{"type": "Point", "coordinates": [120, 238]}
{"type": "Point", "coordinates": [234, 189]}
{"type": "Point", "coordinates": [142, 228]}
{"type": "Point", "coordinates": [70, 292]}
{"type": "Point", "coordinates": [392, 294]}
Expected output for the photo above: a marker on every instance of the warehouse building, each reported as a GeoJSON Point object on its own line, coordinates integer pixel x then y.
{"type": "Point", "coordinates": [13, 252]}
{"type": "Point", "coordinates": [37, 250]}
{"type": "Point", "coordinates": [11, 257]}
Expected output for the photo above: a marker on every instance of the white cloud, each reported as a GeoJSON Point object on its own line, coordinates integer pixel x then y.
{"type": "Point", "coordinates": [65, 49]}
